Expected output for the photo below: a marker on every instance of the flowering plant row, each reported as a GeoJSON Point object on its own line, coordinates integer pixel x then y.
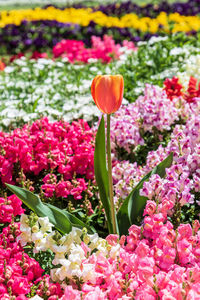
{"type": "Point", "coordinates": [40, 29]}
{"type": "Point", "coordinates": [172, 23]}
{"type": "Point", "coordinates": [30, 89]}
{"type": "Point", "coordinates": [191, 7]}
{"type": "Point", "coordinates": [103, 49]}
{"type": "Point", "coordinates": [164, 264]}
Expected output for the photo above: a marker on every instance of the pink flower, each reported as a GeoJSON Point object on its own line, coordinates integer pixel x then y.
{"type": "Point", "coordinates": [71, 294]}
{"type": "Point", "coordinates": [150, 208]}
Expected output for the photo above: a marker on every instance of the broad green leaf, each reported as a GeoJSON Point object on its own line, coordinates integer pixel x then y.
{"type": "Point", "coordinates": [134, 204]}
{"type": "Point", "coordinates": [73, 219]}
{"type": "Point", "coordinates": [62, 220]}
{"type": "Point", "coordinates": [101, 172]}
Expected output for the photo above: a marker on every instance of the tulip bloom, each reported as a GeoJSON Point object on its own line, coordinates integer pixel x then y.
{"type": "Point", "coordinates": [107, 92]}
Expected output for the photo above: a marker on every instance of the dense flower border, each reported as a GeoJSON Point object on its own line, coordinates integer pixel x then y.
{"type": "Point", "coordinates": [190, 8]}
{"type": "Point", "coordinates": [73, 51]}
{"type": "Point", "coordinates": [83, 16]}
{"type": "Point", "coordinates": [31, 88]}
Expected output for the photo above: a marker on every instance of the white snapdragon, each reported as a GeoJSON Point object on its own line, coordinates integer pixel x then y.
{"type": "Point", "coordinates": [25, 236]}
{"type": "Point", "coordinates": [39, 240]}
{"type": "Point", "coordinates": [71, 250]}
{"type": "Point", "coordinates": [45, 224]}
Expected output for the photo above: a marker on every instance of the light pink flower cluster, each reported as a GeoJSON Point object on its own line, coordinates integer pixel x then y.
{"type": "Point", "coordinates": [104, 49]}
{"type": "Point", "coordinates": [153, 110]}
{"type": "Point", "coordinates": [18, 272]}
{"type": "Point", "coordinates": [182, 178]}
{"type": "Point", "coordinates": [156, 109]}
{"type": "Point", "coordinates": [153, 262]}
{"type": "Point", "coordinates": [185, 144]}
{"type": "Point", "coordinates": [49, 148]}
{"type": "Point", "coordinates": [126, 176]}
{"type": "Point", "coordinates": [125, 128]}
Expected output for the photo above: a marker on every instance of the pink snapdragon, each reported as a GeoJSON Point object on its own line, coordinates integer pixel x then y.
{"type": "Point", "coordinates": [51, 148]}
{"type": "Point", "coordinates": [103, 49]}
{"type": "Point", "coordinates": [9, 208]}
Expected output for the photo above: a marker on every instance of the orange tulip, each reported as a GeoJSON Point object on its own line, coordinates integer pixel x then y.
{"type": "Point", "coordinates": [107, 92]}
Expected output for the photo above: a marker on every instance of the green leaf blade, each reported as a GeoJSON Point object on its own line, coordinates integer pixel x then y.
{"type": "Point", "coordinates": [101, 172]}
{"type": "Point", "coordinates": [56, 217]}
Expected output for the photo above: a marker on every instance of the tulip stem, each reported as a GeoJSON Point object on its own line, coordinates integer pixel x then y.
{"type": "Point", "coordinates": [110, 181]}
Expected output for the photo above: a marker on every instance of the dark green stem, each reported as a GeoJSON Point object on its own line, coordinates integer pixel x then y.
{"type": "Point", "coordinates": [113, 216]}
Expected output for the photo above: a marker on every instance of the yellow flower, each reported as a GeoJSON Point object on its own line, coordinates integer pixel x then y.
{"type": "Point", "coordinates": [84, 16]}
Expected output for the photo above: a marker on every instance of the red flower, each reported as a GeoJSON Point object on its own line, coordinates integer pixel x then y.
{"type": "Point", "coordinates": [173, 88]}
{"type": "Point", "coordinates": [17, 56]}
{"type": "Point", "coordinates": [192, 90]}
{"type": "Point", "coordinates": [37, 55]}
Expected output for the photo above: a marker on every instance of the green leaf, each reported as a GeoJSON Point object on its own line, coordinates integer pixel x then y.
{"type": "Point", "coordinates": [134, 204]}
{"type": "Point", "coordinates": [101, 172]}
{"type": "Point", "coordinates": [62, 220]}
{"type": "Point", "coordinates": [73, 219]}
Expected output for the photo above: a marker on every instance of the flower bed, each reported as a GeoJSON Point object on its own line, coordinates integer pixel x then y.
{"type": "Point", "coordinates": [63, 250]}
{"type": "Point", "coordinates": [31, 89]}
{"type": "Point", "coordinates": [159, 257]}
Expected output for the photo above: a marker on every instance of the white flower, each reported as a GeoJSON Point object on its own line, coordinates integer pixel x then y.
{"type": "Point", "coordinates": [46, 226]}
{"type": "Point", "coordinates": [77, 254]}
{"type": "Point", "coordinates": [68, 269]}
{"type": "Point", "coordinates": [36, 297]}
{"type": "Point", "coordinates": [88, 273]}
{"type": "Point", "coordinates": [9, 69]}
{"type": "Point", "coordinates": [114, 252]}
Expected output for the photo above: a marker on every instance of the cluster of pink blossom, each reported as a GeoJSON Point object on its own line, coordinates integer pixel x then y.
{"type": "Point", "coordinates": [104, 49]}
{"type": "Point", "coordinates": [125, 128]}
{"type": "Point", "coordinates": [184, 143]}
{"type": "Point", "coordinates": [153, 110]}
{"type": "Point", "coordinates": [153, 262]}
{"type": "Point", "coordinates": [156, 109]}
{"type": "Point", "coordinates": [126, 176]}
{"type": "Point", "coordinates": [45, 148]}
{"type": "Point", "coordinates": [20, 274]}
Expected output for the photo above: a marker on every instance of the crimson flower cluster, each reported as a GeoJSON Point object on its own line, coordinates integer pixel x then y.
{"type": "Point", "coordinates": [10, 207]}
{"type": "Point", "coordinates": [43, 150]}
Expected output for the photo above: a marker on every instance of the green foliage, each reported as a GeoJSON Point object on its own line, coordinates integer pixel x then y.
{"type": "Point", "coordinates": [101, 172]}
{"type": "Point", "coordinates": [61, 219]}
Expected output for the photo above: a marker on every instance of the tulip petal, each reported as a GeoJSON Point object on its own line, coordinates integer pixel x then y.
{"type": "Point", "coordinates": [107, 92]}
